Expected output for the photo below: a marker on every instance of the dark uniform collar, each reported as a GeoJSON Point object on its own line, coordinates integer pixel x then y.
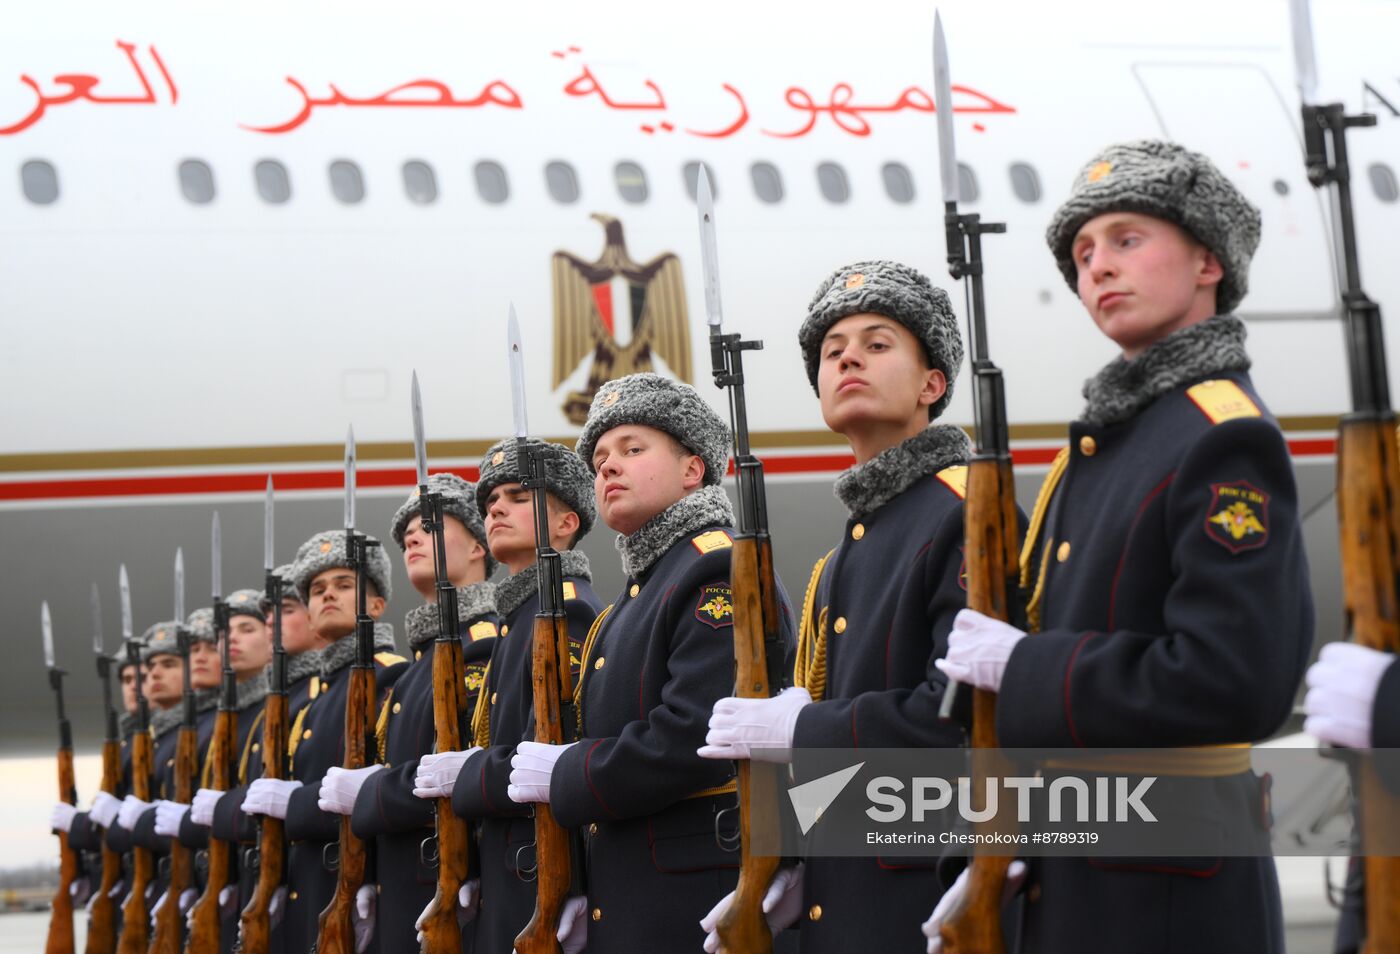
{"type": "Point", "coordinates": [252, 691]}
{"type": "Point", "coordinates": [302, 665]}
{"type": "Point", "coordinates": [706, 507]}
{"type": "Point", "coordinates": [1124, 387]}
{"type": "Point", "coordinates": [474, 601]}
{"type": "Point", "coordinates": [867, 487]}
{"type": "Point", "coordinates": [341, 653]}
{"type": "Point", "coordinates": [517, 588]}
{"type": "Point", "coordinates": [163, 720]}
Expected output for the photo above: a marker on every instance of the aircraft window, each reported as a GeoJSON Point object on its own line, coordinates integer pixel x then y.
{"type": "Point", "coordinates": [273, 184]}
{"type": "Point", "coordinates": [631, 181]}
{"type": "Point", "coordinates": [419, 182]}
{"type": "Point", "coordinates": [691, 171]}
{"type": "Point", "coordinates": [831, 179]}
{"type": "Point", "coordinates": [40, 181]}
{"type": "Point", "coordinates": [899, 184]}
{"type": "Point", "coordinates": [1383, 182]}
{"type": "Point", "coordinates": [767, 182]}
{"type": "Point", "coordinates": [1025, 182]}
{"type": "Point", "coordinates": [562, 182]}
{"type": "Point", "coordinates": [967, 183]}
{"type": "Point", "coordinates": [347, 183]}
{"type": "Point", "coordinates": [197, 181]}
{"type": "Point", "coordinates": [491, 182]}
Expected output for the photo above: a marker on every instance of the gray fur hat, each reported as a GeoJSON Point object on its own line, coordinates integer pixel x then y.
{"type": "Point", "coordinates": [653, 401]}
{"type": "Point", "coordinates": [246, 603]}
{"type": "Point", "coordinates": [566, 476]}
{"type": "Point", "coordinates": [289, 587]}
{"type": "Point", "coordinates": [1167, 181]}
{"type": "Point", "coordinates": [201, 625]}
{"type": "Point", "coordinates": [159, 640]}
{"type": "Point", "coordinates": [458, 500]}
{"type": "Point", "coordinates": [325, 551]}
{"type": "Point", "coordinates": [896, 291]}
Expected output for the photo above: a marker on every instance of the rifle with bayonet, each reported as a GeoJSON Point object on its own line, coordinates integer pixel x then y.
{"type": "Point", "coordinates": [1368, 470]}
{"type": "Point", "coordinates": [222, 760]}
{"type": "Point", "coordinates": [60, 940]}
{"type": "Point", "coordinates": [336, 928]}
{"type": "Point", "coordinates": [441, 932]}
{"type": "Point", "coordinates": [135, 921]}
{"type": "Point", "coordinates": [255, 923]}
{"type": "Point", "coordinates": [973, 926]}
{"type": "Point", "coordinates": [759, 669]}
{"type": "Point", "coordinates": [551, 679]}
{"type": "Point", "coordinates": [168, 931]}
{"type": "Point", "coordinates": [102, 920]}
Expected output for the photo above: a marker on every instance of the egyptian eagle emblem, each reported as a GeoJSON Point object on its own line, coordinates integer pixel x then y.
{"type": "Point", "coordinates": [624, 312]}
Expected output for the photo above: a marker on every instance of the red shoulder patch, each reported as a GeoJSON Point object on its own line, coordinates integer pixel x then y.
{"type": "Point", "coordinates": [716, 606]}
{"type": "Point", "coordinates": [1238, 516]}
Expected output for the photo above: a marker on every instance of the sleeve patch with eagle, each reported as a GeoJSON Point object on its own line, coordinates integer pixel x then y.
{"type": "Point", "coordinates": [716, 606]}
{"type": "Point", "coordinates": [1238, 516]}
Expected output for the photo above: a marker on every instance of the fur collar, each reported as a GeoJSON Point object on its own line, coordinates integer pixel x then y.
{"type": "Point", "coordinates": [516, 589]}
{"type": "Point", "coordinates": [474, 601]}
{"type": "Point", "coordinates": [1124, 387]}
{"type": "Point", "coordinates": [252, 691]}
{"type": "Point", "coordinates": [341, 653]}
{"type": "Point", "coordinates": [867, 487]}
{"type": "Point", "coordinates": [163, 720]}
{"type": "Point", "coordinates": [302, 665]}
{"type": "Point", "coordinates": [706, 507]}
{"type": "Point", "coordinates": [126, 724]}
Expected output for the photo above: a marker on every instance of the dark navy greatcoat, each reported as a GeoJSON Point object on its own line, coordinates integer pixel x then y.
{"type": "Point", "coordinates": [163, 759]}
{"type": "Point", "coordinates": [507, 899]}
{"type": "Point", "coordinates": [1175, 612]}
{"type": "Point", "coordinates": [648, 805]}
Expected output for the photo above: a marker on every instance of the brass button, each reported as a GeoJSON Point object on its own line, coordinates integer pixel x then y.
{"type": "Point", "coordinates": [397, 707]}
{"type": "Point", "coordinates": [1088, 446]}
{"type": "Point", "coordinates": [597, 914]}
{"type": "Point", "coordinates": [1034, 893]}
{"type": "Point", "coordinates": [306, 734]}
{"type": "Point", "coordinates": [840, 625]}
{"type": "Point", "coordinates": [169, 762]}
{"type": "Point", "coordinates": [633, 592]}
{"type": "Point", "coordinates": [493, 698]}
{"type": "Point", "coordinates": [858, 531]}
{"type": "Point", "coordinates": [293, 895]}
{"type": "Point", "coordinates": [815, 913]}
{"type": "Point", "coordinates": [387, 765]}
{"type": "Point", "coordinates": [593, 828]}
{"type": "Point", "coordinates": [418, 654]}
{"type": "Point", "coordinates": [598, 663]}
{"type": "Point", "coordinates": [1062, 554]}
{"type": "Point", "coordinates": [256, 746]}
{"type": "Point", "coordinates": [505, 630]}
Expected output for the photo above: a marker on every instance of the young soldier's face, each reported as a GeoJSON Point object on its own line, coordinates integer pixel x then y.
{"type": "Point", "coordinates": [128, 678]}
{"type": "Point", "coordinates": [464, 551]}
{"type": "Point", "coordinates": [164, 680]}
{"type": "Point", "coordinates": [874, 372]}
{"type": "Point", "coordinates": [206, 668]}
{"type": "Point", "coordinates": [510, 522]}
{"type": "Point", "coordinates": [333, 603]}
{"type": "Point", "coordinates": [1141, 278]}
{"type": "Point", "coordinates": [249, 645]}
{"type": "Point", "coordinates": [640, 472]}
{"type": "Point", "coordinates": [297, 635]}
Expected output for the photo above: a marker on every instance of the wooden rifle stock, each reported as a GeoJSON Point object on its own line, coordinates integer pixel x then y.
{"type": "Point", "coordinates": [441, 932]}
{"type": "Point", "coordinates": [102, 925]}
{"type": "Point", "coordinates": [336, 928]}
{"type": "Point", "coordinates": [743, 929]}
{"type": "Point", "coordinates": [204, 916]}
{"type": "Point", "coordinates": [60, 939]}
{"type": "Point", "coordinates": [169, 926]}
{"type": "Point", "coordinates": [255, 923]}
{"type": "Point", "coordinates": [136, 922]}
{"type": "Point", "coordinates": [552, 683]}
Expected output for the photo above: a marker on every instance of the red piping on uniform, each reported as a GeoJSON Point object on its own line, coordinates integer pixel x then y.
{"type": "Point", "coordinates": [1123, 557]}
{"type": "Point", "coordinates": [1069, 668]}
{"type": "Point", "coordinates": [588, 777]}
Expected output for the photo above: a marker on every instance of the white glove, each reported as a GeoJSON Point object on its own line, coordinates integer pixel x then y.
{"type": "Point", "coordinates": [782, 906]}
{"type": "Point", "coordinates": [530, 769]}
{"type": "Point", "coordinates": [573, 924]}
{"type": "Point", "coordinates": [228, 900]}
{"type": "Point", "coordinates": [366, 900]}
{"type": "Point", "coordinates": [202, 808]}
{"type": "Point", "coordinates": [978, 649]}
{"type": "Point", "coordinates": [116, 891]}
{"type": "Point", "coordinates": [168, 817]}
{"type": "Point", "coordinates": [340, 786]}
{"type": "Point", "coordinates": [93, 896]}
{"type": "Point", "coordinates": [1015, 875]}
{"type": "Point", "coordinates": [61, 818]}
{"type": "Point", "coordinates": [438, 773]}
{"type": "Point", "coordinates": [268, 796]}
{"type": "Point", "coordinates": [132, 809]}
{"type": "Point", "coordinates": [79, 891]}
{"type": "Point", "coordinates": [755, 728]}
{"type": "Point", "coordinates": [186, 899]}
{"type": "Point", "coordinates": [468, 898]}
{"type": "Point", "coordinates": [276, 907]}
{"type": "Point", "coordinates": [105, 807]}
{"type": "Point", "coordinates": [1342, 688]}
{"type": "Point", "coordinates": [155, 908]}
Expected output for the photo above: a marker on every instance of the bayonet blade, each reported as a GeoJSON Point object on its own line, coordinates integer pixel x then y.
{"type": "Point", "coordinates": [350, 478]}
{"type": "Point", "coordinates": [709, 248]}
{"type": "Point", "coordinates": [943, 113]}
{"type": "Point", "coordinates": [179, 585]}
{"type": "Point", "coordinates": [124, 587]}
{"type": "Point", "coordinates": [1304, 50]}
{"type": "Point", "coordinates": [216, 557]}
{"type": "Point", "coordinates": [47, 623]}
{"type": "Point", "coordinates": [268, 563]}
{"type": "Point", "coordinates": [95, 601]}
{"type": "Point", "coordinates": [420, 443]}
{"type": "Point", "coordinates": [517, 376]}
